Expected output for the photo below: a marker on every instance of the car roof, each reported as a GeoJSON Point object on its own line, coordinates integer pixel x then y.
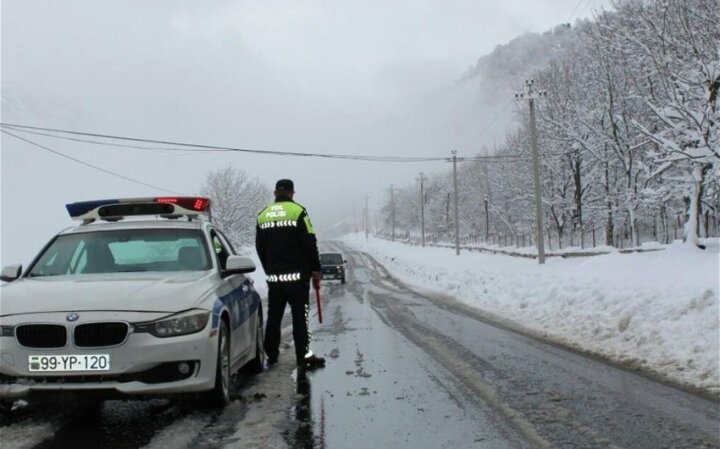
{"type": "Point", "coordinates": [134, 224]}
{"type": "Point", "coordinates": [331, 254]}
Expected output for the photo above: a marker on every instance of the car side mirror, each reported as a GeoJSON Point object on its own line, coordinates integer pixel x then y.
{"type": "Point", "coordinates": [238, 265]}
{"type": "Point", "coordinates": [344, 261]}
{"type": "Point", "coordinates": [11, 273]}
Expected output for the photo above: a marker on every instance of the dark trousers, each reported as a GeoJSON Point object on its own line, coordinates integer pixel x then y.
{"type": "Point", "coordinates": [297, 294]}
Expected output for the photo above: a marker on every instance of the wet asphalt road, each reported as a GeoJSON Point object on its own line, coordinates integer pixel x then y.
{"type": "Point", "coordinates": [408, 369]}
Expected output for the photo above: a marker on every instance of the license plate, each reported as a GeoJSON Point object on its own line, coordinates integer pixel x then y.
{"type": "Point", "coordinates": [58, 363]}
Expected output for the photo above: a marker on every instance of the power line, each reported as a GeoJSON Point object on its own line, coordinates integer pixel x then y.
{"type": "Point", "coordinates": [202, 148]}
{"type": "Point", "coordinates": [110, 144]}
{"type": "Point", "coordinates": [594, 5]}
{"type": "Point", "coordinates": [494, 158]}
{"type": "Point", "coordinates": [572, 14]}
{"type": "Point", "coordinates": [497, 117]}
{"type": "Point", "coordinates": [87, 164]}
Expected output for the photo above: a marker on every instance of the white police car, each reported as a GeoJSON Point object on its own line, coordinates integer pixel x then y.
{"type": "Point", "coordinates": [153, 306]}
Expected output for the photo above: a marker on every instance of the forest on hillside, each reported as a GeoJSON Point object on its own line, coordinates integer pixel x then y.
{"type": "Point", "coordinates": [628, 139]}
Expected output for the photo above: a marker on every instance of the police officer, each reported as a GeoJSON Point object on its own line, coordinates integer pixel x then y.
{"type": "Point", "coordinates": [287, 248]}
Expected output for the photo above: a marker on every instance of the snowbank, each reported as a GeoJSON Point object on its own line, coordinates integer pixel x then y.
{"type": "Point", "coordinates": [657, 311]}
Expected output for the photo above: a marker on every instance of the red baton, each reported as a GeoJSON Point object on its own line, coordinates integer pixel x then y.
{"type": "Point", "coordinates": [317, 297]}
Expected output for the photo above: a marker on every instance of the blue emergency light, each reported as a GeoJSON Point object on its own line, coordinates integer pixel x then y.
{"type": "Point", "coordinates": [83, 207]}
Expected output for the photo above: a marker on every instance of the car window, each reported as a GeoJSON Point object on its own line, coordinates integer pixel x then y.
{"type": "Point", "coordinates": [126, 250]}
{"type": "Point", "coordinates": [331, 259]}
{"type": "Point", "coordinates": [226, 241]}
{"type": "Point", "coordinates": [222, 252]}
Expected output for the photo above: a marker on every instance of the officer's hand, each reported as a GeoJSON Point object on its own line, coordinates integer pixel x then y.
{"type": "Point", "coordinates": [316, 276]}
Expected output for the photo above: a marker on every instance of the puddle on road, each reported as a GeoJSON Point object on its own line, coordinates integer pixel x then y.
{"type": "Point", "coordinates": [305, 432]}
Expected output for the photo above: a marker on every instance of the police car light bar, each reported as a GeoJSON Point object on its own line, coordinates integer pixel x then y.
{"type": "Point", "coordinates": [119, 208]}
{"type": "Point", "coordinates": [190, 203]}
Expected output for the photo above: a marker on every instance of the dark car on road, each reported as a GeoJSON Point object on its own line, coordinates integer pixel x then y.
{"type": "Point", "coordinates": [333, 266]}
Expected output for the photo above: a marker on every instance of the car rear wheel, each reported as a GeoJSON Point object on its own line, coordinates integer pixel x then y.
{"type": "Point", "coordinates": [342, 280]}
{"type": "Point", "coordinates": [219, 396]}
{"type": "Point", "coordinates": [256, 365]}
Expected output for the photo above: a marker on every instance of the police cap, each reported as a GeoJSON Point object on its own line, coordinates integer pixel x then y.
{"type": "Point", "coordinates": [285, 185]}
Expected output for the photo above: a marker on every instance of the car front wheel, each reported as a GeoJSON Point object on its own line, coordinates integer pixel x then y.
{"type": "Point", "coordinates": [256, 365]}
{"type": "Point", "coordinates": [219, 396]}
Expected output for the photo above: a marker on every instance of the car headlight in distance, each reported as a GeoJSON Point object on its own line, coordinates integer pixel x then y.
{"type": "Point", "coordinates": [181, 324]}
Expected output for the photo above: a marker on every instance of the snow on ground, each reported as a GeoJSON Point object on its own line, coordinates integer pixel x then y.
{"type": "Point", "coordinates": [656, 311]}
{"type": "Point", "coordinates": [26, 435]}
{"type": "Point", "coordinates": [532, 250]}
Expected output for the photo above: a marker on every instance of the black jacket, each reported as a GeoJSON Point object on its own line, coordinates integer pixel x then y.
{"type": "Point", "coordinates": [285, 242]}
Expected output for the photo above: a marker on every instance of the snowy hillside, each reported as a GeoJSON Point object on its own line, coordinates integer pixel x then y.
{"type": "Point", "coordinates": [653, 311]}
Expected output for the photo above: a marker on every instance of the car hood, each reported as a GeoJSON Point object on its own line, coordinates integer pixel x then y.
{"type": "Point", "coordinates": [139, 292]}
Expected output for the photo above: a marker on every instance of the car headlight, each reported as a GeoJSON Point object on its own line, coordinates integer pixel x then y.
{"type": "Point", "coordinates": [7, 331]}
{"type": "Point", "coordinates": [181, 324]}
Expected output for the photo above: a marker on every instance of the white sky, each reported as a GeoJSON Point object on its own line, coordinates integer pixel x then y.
{"type": "Point", "coordinates": [364, 77]}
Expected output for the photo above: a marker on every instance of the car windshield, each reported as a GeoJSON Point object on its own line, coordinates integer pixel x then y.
{"type": "Point", "coordinates": [331, 259]}
{"type": "Point", "coordinates": [127, 250]}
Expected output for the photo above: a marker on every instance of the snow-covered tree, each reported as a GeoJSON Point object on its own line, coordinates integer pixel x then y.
{"type": "Point", "coordinates": [677, 44]}
{"type": "Point", "coordinates": [236, 200]}
{"type": "Point", "coordinates": [628, 133]}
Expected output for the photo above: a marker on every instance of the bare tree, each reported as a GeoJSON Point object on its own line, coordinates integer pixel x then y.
{"type": "Point", "coordinates": [236, 201]}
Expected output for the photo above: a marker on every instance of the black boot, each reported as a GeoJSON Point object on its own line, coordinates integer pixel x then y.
{"type": "Point", "coordinates": [311, 362]}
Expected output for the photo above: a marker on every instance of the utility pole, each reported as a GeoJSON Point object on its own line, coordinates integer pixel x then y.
{"type": "Point", "coordinates": [355, 226]}
{"type": "Point", "coordinates": [447, 211]}
{"type": "Point", "coordinates": [487, 219]}
{"type": "Point", "coordinates": [367, 217]}
{"type": "Point", "coordinates": [422, 207]}
{"type": "Point", "coordinates": [531, 95]}
{"type": "Point", "coordinates": [457, 212]}
{"type": "Point", "coordinates": [392, 204]}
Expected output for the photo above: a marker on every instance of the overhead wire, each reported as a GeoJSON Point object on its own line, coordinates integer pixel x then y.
{"type": "Point", "coordinates": [98, 142]}
{"type": "Point", "coordinates": [572, 14]}
{"type": "Point", "coordinates": [203, 148]}
{"type": "Point", "coordinates": [497, 117]}
{"type": "Point", "coordinates": [87, 164]}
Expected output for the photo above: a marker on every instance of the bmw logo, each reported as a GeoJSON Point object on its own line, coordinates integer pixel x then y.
{"type": "Point", "coordinates": [72, 316]}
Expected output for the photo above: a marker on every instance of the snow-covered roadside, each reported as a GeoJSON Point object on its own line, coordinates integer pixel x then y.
{"type": "Point", "coordinates": [656, 311]}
